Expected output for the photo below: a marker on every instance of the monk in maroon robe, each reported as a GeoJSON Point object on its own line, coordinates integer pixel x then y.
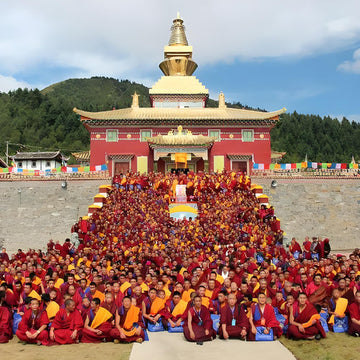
{"type": "Point", "coordinates": [33, 326]}
{"type": "Point", "coordinates": [303, 325]}
{"type": "Point", "coordinates": [97, 325]}
{"type": "Point", "coordinates": [354, 312]}
{"type": "Point", "coordinates": [5, 320]}
{"type": "Point", "coordinates": [66, 327]}
{"type": "Point", "coordinates": [233, 320]}
{"type": "Point", "coordinates": [129, 326]}
{"type": "Point", "coordinates": [262, 314]}
{"type": "Point", "coordinates": [199, 326]}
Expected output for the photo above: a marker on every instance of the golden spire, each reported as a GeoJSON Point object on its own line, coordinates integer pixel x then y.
{"type": "Point", "coordinates": [135, 101]}
{"type": "Point", "coordinates": [178, 36]}
{"type": "Point", "coordinates": [178, 53]}
{"type": "Point", "coordinates": [222, 104]}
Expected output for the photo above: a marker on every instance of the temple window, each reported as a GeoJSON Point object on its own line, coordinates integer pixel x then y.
{"type": "Point", "coordinates": [111, 135]}
{"type": "Point", "coordinates": [215, 134]}
{"type": "Point", "coordinates": [247, 135]}
{"type": "Point", "coordinates": [144, 134]}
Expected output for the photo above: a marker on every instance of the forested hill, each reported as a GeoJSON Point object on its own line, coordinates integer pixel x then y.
{"type": "Point", "coordinates": [33, 120]}
{"type": "Point", "coordinates": [321, 139]}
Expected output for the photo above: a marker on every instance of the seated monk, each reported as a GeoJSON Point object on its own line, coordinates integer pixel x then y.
{"type": "Point", "coordinates": [199, 326]}
{"type": "Point", "coordinates": [128, 323]}
{"type": "Point", "coordinates": [175, 309]}
{"type": "Point", "coordinates": [109, 303]}
{"type": "Point", "coordinates": [50, 306]}
{"type": "Point", "coordinates": [66, 325]}
{"type": "Point", "coordinates": [262, 314]}
{"type": "Point", "coordinates": [354, 317]}
{"type": "Point", "coordinates": [233, 320]}
{"type": "Point", "coordinates": [5, 320]}
{"type": "Point", "coordinates": [304, 321]}
{"type": "Point", "coordinates": [97, 324]}
{"type": "Point", "coordinates": [138, 297]}
{"type": "Point", "coordinates": [152, 306]}
{"type": "Point", "coordinates": [33, 326]}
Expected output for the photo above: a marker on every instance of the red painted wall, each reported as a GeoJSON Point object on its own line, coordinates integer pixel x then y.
{"type": "Point", "coordinates": [260, 148]}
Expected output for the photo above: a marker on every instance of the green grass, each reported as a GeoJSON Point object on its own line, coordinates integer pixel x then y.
{"type": "Point", "coordinates": [334, 347]}
{"type": "Point", "coordinates": [17, 351]}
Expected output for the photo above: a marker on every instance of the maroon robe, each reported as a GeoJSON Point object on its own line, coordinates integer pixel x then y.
{"type": "Point", "coordinates": [32, 323]}
{"type": "Point", "coordinates": [115, 334]}
{"type": "Point", "coordinates": [354, 312]}
{"type": "Point", "coordinates": [200, 322]}
{"type": "Point", "coordinates": [64, 325]}
{"type": "Point", "coordinates": [227, 316]}
{"type": "Point", "coordinates": [89, 336]}
{"type": "Point", "coordinates": [267, 319]}
{"type": "Point", "coordinates": [5, 325]}
{"type": "Point", "coordinates": [303, 317]}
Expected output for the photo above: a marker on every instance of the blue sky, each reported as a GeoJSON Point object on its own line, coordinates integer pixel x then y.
{"type": "Point", "coordinates": [304, 56]}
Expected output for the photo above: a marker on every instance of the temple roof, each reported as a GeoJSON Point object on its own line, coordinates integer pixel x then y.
{"type": "Point", "coordinates": [82, 156]}
{"type": "Point", "coordinates": [178, 85]}
{"type": "Point", "coordinates": [39, 155]}
{"type": "Point", "coordinates": [206, 114]}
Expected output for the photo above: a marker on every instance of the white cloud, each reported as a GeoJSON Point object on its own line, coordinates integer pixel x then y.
{"type": "Point", "coordinates": [125, 39]}
{"type": "Point", "coordinates": [8, 83]}
{"type": "Point", "coordinates": [352, 66]}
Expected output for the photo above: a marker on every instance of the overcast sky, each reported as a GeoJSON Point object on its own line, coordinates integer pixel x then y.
{"type": "Point", "coordinates": [302, 55]}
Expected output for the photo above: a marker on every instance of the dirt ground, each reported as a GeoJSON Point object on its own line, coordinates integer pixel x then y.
{"type": "Point", "coordinates": [15, 350]}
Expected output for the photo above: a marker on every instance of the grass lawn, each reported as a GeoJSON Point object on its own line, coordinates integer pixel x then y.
{"type": "Point", "coordinates": [109, 351]}
{"type": "Point", "coordinates": [334, 347]}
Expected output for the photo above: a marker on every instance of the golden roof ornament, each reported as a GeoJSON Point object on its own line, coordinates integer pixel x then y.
{"type": "Point", "coordinates": [178, 53]}
{"type": "Point", "coordinates": [222, 104]}
{"type": "Point", "coordinates": [135, 101]}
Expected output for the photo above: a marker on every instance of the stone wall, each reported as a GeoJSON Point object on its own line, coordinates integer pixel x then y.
{"type": "Point", "coordinates": [317, 207]}
{"type": "Point", "coordinates": [43, 210]}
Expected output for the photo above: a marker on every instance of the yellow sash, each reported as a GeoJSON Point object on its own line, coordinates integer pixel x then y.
{"type": "Point", "coordinates": [310, 322]}
{"type": "Point", "coordinates": [52, 309]}
{"type": "Point", "coordinates": [219, 278]}
{"type": "Point", "coordinates": [340, 309]}
{"type": "Point", "coordinates": [124, 286]}
{"type": "Point", "coordinates": [157, 305]}
{"type": "Point", "coordinates": [205, 301]}
{"type": "Point", "coordinates": [34, 295]}
{"type": "Point", "coordinates": [186, 295]}
{"type": "Point", "coordinates": [100, 317]}
{"type": "Point", "coordinates": [209, 293]}
{"type": "Point", "coordinates": [58, 283]}
{"type": "Point", "coordinates": [180, 308]}
{"type": "Point", "coordinates": [144, 287]}
{"type": "Point", "coordinates": [132, 317]}
{"type": "Point", "coordinates": [98, 294]}
{"type": "Point", "coordinates": [37, 281]}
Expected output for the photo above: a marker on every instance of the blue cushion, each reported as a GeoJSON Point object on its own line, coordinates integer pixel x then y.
{"type": "Point", "coordinates": [156, 327]}
{"type": "Point", "coordinates": [341, 325]}
{"type": "Point", "coordinates": [176, 329]}
{"type": "Point", "coordinates": [216, 321]}
{"type": "Point", "coordinates": [16, 321]}
{"type": "Point", "coordinates": [260, 336]}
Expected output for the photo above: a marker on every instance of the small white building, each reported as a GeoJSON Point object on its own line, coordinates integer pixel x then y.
{"type": "Point", "coordinates": [39, 160]}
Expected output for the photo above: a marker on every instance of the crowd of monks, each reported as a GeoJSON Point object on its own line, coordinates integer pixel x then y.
{"type": "Point", "coordinates": [131, 268]}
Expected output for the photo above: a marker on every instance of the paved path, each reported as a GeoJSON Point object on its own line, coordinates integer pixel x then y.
{"type": "Point", "coordinates": [164, 346]}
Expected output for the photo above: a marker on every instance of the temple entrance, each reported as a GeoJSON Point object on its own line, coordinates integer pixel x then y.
{"type": "Point", "coordinates": [240, 166]}
{"type": "Point", "coordinates": [171, 165]}
{"type": "Point", "coordinates": [121, 167]}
